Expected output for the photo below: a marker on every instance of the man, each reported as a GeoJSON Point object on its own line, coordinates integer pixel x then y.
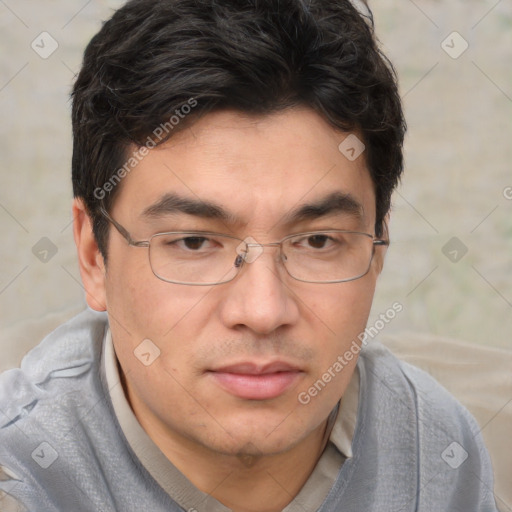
{"type": "Point", "coordinates": [233, 166]}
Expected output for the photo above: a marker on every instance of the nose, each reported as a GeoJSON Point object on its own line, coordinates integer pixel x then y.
{"type": "Point", "coordinates": [259, 298]}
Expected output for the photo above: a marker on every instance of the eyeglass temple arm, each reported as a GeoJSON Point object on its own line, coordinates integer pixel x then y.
{"type": "Point", "coordinates": [122, 230]}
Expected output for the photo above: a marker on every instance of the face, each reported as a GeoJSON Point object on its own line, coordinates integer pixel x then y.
{"type": "Point", "coordinates": [235, 357]}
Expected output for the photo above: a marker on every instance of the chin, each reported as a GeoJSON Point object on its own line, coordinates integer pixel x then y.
{"type": "Point", "coordinates": [249, 446]}
{"type": "Point", "coordinates": [266, 435]}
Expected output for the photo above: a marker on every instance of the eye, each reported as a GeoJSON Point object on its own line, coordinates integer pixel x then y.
{"type": "Point", "coordinates": [194, 242]}
{"type": "Point", "coordinates": [318, 241]}
{"type": "Point", "coordinates": [190, 243]}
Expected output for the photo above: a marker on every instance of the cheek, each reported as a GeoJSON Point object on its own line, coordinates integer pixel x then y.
{"type": "Point", "coordinates": [171, 317]}
{"type": "Point", "coordinates": [142, 303]}
{"type": "Point", "coordinates": [339, 317]}
{"type": "Point", "coordinates": [141, 307]}
{"type": "Point", "coordinates": [342, 311]}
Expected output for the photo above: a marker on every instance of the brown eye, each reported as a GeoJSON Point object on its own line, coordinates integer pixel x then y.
{"type": "Point", "coordinates": [317, 241]}
{"type": "Point", "coordinates": [194, 242]}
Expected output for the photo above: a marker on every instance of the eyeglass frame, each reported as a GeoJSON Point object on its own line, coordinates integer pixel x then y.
{"type": "Point", "coordinates": [377, 242]}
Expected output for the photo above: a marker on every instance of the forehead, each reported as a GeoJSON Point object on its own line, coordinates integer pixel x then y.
{"type": "Point", "coordinates": [257, 169]}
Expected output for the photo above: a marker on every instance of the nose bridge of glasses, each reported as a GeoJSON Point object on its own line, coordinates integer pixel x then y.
{"type": "Point", "coordinates": [251, 250]}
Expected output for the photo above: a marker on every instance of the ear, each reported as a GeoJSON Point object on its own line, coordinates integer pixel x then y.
{"type": "Point", "coordinates": [90, 260]}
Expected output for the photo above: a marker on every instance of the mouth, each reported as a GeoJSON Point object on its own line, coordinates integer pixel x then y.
{"type": "Point", "coordinates": [251, 381]}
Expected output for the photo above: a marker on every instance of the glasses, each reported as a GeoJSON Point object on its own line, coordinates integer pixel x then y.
{"type": "Point", "coordinates": [204, 258]}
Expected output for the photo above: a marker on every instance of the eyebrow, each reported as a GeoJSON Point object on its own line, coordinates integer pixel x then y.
{"type": "Point", "coordinates": [171, 203]}
{"type": "Point", "coordinates": [334, 203]}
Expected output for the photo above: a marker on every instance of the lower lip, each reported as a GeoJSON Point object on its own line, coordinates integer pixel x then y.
{"type": "Point", "coordinates": [256, 387]}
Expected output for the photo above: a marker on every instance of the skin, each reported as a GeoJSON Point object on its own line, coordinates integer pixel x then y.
{"type": "Point", "coordinates": [252, 455]}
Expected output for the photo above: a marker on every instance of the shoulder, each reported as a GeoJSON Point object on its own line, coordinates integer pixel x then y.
{"type": "Point", "coordinates": [59, 435]}
{"type": "Point", "coordinates": [451, 459]}
{"type": "Point", "coordinates": [435, 407]}
{"type": "Point", "coordinates": [41, 404]}
{"type": "Point", "coordinates": [431, 398]}
{"type": "Point", "coordinates": [53, 366]}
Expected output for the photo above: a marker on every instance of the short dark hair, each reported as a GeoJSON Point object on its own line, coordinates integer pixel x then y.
{"type": "Point", "coordinates": [256, 56]}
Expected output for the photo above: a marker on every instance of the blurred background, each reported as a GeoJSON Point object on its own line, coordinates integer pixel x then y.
{"type": "Point", "coordinates": [450, 261]}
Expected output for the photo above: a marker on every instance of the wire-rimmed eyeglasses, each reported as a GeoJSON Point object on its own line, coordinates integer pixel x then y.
{"type": "Point", "coordinates": [203, 258]}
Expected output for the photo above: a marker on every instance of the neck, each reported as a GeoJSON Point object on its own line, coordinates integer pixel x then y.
{"type": "Point", "coordinates": [246, 482]}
